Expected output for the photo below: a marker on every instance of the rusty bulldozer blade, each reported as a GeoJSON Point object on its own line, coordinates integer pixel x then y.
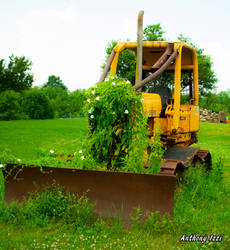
{"type": "Point", "coordinates": [115, 193]}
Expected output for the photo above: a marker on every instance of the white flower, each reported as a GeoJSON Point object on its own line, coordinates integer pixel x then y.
{"type": "Point", "coordinates": [51, 151]}
{"type": "Point", "coordinates": [97, 98]}
{"type": "Point", "coordinates": [90, 110]}
{"type": "Point", "coordinates": [93, 92]}
{"type": "Point", "coordinates": [128, 81]}
{"type": "Point", "coordinates": [92, 116]}
{"type": "Point", "coordinates": [142, 99]}
{"type": "Point", "coordinates": [126, 111]}
{"type": "Point", "coordinates": [80, 151]}
{"type": "Point", "coordinates": [112, 77]}
{"type": "Point", "coordinates": [82, 157]}
{"type": "Point", "coordinates": [19, 159]}
{"type": "Point", "coordinates": [1, 165]}
{"type": "Point", "coordinates": [88, 100]}
{"type": "Point", "coordinates": [113, 83]}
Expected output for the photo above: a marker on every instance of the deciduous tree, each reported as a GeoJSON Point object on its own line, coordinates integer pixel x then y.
{"type": "Point", "coordinates": [55, 82]}
{"type": "Point", "coordinates": [16, 75]}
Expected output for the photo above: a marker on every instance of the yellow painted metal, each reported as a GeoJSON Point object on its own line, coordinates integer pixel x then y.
{"type": "Point", "coordinates": [152, 104]}
{"type": "Point", "coordinates": [195, 119]}
{"type": "Point", "coordinates": [180, 120]}
{"type": "Point", "coordinates": [156, 44]}
{"type": "Point", "coordinates": [195, 79]}
{"type": "Point", "coordinates": [162, 124]}
{"type": "Point", "coordinates": [118, 48]}
{"type": "Point", "coordinates": [177, 86]}
{"type": "Point", "coordinates": [113, 69]}
{"type": "Point", "coordinates": [182, 139]}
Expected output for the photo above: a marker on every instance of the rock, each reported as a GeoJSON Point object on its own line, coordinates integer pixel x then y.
{"type": "Point", "coordinates": [222, 117]}
{"type": "Point", "coordinates": [209, 116]}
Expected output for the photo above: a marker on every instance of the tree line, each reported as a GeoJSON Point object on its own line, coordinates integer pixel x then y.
{"type": "Point", "coordinates": [19, 100]}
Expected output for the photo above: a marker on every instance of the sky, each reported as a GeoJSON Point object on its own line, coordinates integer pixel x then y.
{"type": "Point", "coordinates": [68, 38]}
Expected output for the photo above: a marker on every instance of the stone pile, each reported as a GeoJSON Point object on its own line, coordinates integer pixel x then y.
{"type": "Point", "coordinates": [209, 116]}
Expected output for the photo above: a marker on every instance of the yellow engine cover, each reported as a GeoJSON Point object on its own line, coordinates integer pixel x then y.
{"type": "Point", "coordinates": [152, 104]}
{"type": "Point", "coordinates": [195, 119]}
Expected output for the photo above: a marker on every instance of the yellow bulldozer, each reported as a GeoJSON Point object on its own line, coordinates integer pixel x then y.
{"type": "Point", "coordinates": [178, 123]}
{"type": "Point", "coordinates": [116, 193]}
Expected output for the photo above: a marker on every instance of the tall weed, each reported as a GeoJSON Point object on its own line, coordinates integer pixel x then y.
{"type": "Point", "coordinates": [201, 201]}
{"type": "Point", "coordinates": [54, 203]}
{"type": "Point", "coordinates": [2, 186]}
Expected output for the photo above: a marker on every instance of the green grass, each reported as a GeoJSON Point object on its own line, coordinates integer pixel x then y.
{"type": "Point", "coordinates": [216, 138]}
{"type": "Point", "coordinates": [23, 138]}
{"type": "Point", "coordinates": [201, 205]}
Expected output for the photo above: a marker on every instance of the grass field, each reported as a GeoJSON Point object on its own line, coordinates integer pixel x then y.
{"type": "Point", "coordinates": [201, 208]}
{"type": "Point", "coordinates": [23, 138]}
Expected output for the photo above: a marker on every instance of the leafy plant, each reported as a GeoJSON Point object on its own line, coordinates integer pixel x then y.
{"type": "Point", "coordinates": [16, 75]}
{"type": "Point", "coordinates": [36, 105]}
{"type": "Point", "coordinates": [10, 106]}
{"type": "Point", "coordinates": [117, 126]}
{"type": "Point", "coordinates": [54, 203]}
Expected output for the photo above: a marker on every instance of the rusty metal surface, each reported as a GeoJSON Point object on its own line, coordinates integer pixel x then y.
{"type": "Point", "coordinates": [206, 157]}
{"type": "Point", "coordinates": [180, 153]}
{"type": "Point", "coordinates": [116, 193]}
{"type": "Point", "coordinates": [164, 57]}
{"type": "Point", "coordinates": [107, 66]}
{"type": "Point", "coordinates": [171, 167]}
{"type": "Point", "coordinates": [178, 158]}
{"type": "Point", "coordinates": [139, 45]}
{"type": "Point", "coordinates": [158, 72]}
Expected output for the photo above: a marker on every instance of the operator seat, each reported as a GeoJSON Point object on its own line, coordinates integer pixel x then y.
{"type": "Point", "coordinates": [165, 94]}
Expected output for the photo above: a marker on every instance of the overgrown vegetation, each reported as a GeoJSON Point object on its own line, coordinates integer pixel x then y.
{"type": "Point", "coordinates": [52, 204]}
{"type": "Point", "coordinates": [201, 205]}
{"type": "Point", "coordinates": [60, 220]}
{"type": "Point", "coordinates": [117, 137]}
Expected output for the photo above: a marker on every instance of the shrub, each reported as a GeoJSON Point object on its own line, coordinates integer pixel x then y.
{"type": "Point", "coordinates": [66, 104]}
{"type": "Point", "coordinates": [118, 127]}
{"type": "Point", "coordinates": [54, 203]}
{"type": "Point", "coordinates": [10, 106]}
{"type": "Point", "coordinates": [76, 103]}
{"type": "Point", "coordinates": [36, 105]}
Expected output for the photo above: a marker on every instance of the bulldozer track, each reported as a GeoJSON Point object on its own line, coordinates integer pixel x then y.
{"type": "Point", "coordinates": [178, 158]}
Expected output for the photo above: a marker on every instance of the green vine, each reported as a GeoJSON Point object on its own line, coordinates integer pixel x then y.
{"type": "Point", "coordinates": [118, 136]}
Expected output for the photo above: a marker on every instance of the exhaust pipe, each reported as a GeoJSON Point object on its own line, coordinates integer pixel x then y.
{"type": "Point", "coordinates": [139, 46]}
